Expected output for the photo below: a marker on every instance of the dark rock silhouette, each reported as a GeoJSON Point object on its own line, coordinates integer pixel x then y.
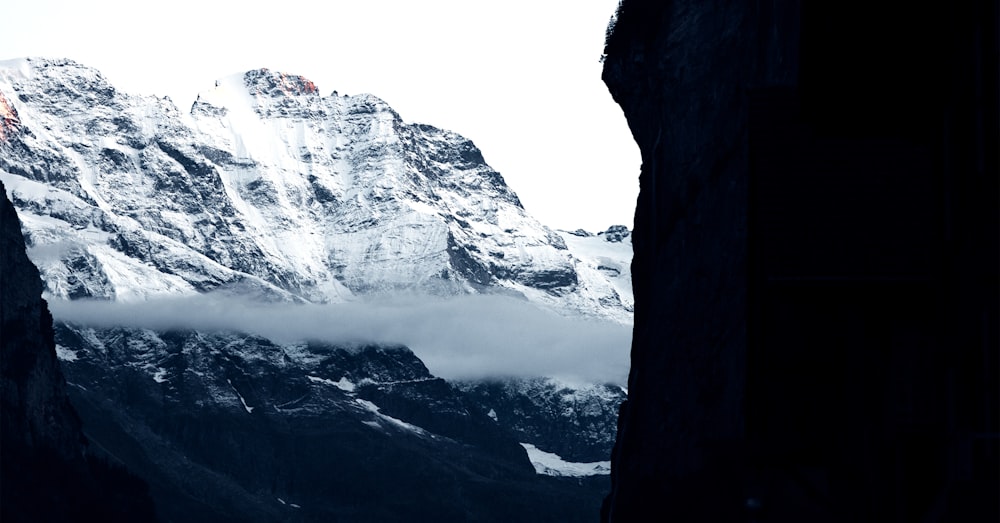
{"type": "Point", "coordinates": [46, 473]}
{"type": "Point", "coordinates": [815, 264]}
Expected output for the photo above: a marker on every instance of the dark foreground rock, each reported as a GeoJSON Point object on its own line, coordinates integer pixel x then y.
{"type": "Point", "coordinates": [46, 471]}
{"type": "Point", "coordinates": [815, 264]}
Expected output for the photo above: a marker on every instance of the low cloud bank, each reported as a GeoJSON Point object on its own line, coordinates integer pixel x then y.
{"type": "Point", "coordinates": [462, 337]}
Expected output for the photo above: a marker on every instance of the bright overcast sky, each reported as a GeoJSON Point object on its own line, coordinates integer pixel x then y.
{"type": "Point", "coordinates": [521, 78]}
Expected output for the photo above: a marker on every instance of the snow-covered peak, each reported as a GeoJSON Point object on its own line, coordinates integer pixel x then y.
{"type": "Point", "coordinates": [60, 69]}
{"type": "Point", "coordinates": [273, 94]}
{"type": "Point", "coordinates": [270, 187]}
{"type": "Point", "coordinates": [258, 87]}
{"type": "Point", "coordinates": [276, 84]}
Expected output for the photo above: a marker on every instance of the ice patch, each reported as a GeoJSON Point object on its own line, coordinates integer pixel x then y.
{"type": "Point", "coordinates": [397, 422]}
{"type": "Point", "coordinates": [160, 376]}
{"type": "Point", "coordinates": [493, 414]}
{"type": "Point", "coordinates": [552, 465]}
{"type": "Point", "coordinates": [422, 208]}
{"type": "Point", "coordinates": [368, 405]}
{"type": "Point", "coordinates": [248, 408]}
{"type": "Point", "coordinates": [344, 384]}
{"type": "Point", "coordinates": [65, 354]}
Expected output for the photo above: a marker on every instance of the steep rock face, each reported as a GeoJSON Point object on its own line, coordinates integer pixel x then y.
{"type": "Point", "coordinates": [266, 188]}
{"type": "Point", "coordinates": [36, 410]}
{"type": "Point", "coordinates": [43, 456]}
{"type": "Point", "coordinates": [806, 302]}
{"type": "Point", "coordinates": [680, 71]}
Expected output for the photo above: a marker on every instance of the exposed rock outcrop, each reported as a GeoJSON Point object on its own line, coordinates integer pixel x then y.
{"type": "Point", "coordinates": [45, 472]}
{"type": "Point", "coordinates": [801, 321]}
{"type": "Point", "coordinates": [680, 72]}
{"type": "Point", "coordinates": [36, 411]}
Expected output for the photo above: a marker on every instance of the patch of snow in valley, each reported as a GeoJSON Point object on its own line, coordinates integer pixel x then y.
{"type": "Point", "coordinates": [344, 384]}
{"type": "Point", "coordinates": [65, 354]}
{"type": "Point", "coordinates": [248, 408]}
{"type": "Point", "coordinates": [374, 409]}
{"type": "Point", "coordinates": [552, 465]}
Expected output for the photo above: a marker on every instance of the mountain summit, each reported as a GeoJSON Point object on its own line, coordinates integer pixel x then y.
{"type": "Point", "coordinates": [268, 188]}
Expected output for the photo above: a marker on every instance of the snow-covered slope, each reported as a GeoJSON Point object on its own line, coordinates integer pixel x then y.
{"type": "Point", "coordinates": [604, 264]}
{"type": "Point", "coordinates": [269, 188]}
{"type": "Point", "coordinates": [551, 464]}
{"type": "Point", "coordinates": [265, 189]}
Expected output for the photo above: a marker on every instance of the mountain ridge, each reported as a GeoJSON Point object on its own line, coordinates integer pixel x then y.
{"type": "Point", "coordinates": [267, 193]}
{"type": "Point", "coordinates": [352, 201]}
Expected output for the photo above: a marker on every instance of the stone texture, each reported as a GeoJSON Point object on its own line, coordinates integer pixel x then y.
{"type": "Point", "coordinates": [45, 471]}
{"type": "Point", "coordinates": [815, 262]}
{"type": "Point", "coordinates": [36, 411]}
{"type": "Point", "coordinates": [680, 71]}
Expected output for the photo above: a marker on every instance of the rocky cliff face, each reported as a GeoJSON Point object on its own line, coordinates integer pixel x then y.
{"type": "Point", "coordinates": [800, 316]}
{"type": "Point", "coordinates": [680, 71]}
{"type": "Point", "coordinates": [35, 406]}
{"type": "Point", "coordinates": [44, 451]}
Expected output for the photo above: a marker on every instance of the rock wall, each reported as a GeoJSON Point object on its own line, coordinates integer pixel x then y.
{"type": "Point", "coordinates": [800, 318]}
{"type": "Point", "coordinates": [680, 71]}
{"type": "Point", "coordinates": [36, 411]}
{"type": "Point", "coordinates": [45, 472]}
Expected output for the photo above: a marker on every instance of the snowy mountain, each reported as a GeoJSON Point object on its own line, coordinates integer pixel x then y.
{"type": "Point", "coordinates": [267, 188]}
{"type": "Point", "coordinates": [268, 191]}
{"type": "Point", "coordinates": [605, 264]}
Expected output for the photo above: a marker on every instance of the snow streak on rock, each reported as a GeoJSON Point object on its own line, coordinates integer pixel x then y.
{"type": "Point", "coordinates": [552, 465]}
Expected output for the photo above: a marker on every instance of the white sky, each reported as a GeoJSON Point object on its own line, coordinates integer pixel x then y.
{"type": "Point", "coordinates": [520, 78]}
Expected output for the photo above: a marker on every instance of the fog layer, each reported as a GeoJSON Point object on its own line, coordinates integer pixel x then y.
{"type": "Point", "coordinates": [463, 337]}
